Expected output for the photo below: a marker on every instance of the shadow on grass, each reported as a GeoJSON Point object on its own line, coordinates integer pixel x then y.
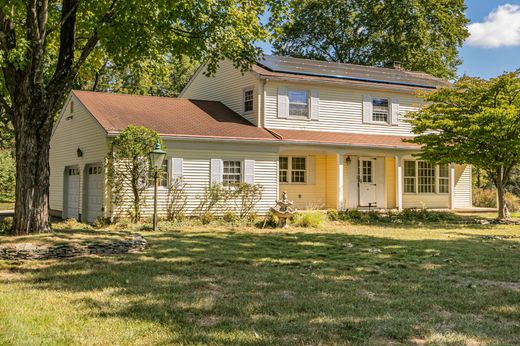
{"type": "Point", "coordinates": [302, 288]}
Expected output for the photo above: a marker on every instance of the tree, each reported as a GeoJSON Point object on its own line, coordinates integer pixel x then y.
{"type": "Point", "coordinates": [474, 122]}
{"type": "Point", "coordinates": [423, 35]}
{"type": "Point", "coordinates": [44, 44]}
{"type": "Point", "coordinates": [128, 166]}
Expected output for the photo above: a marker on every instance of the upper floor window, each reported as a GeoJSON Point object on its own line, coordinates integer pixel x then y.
{"type": "Point", "coordinates": [248, 100]}
{"type": "Point", "coordinates": [380, 109]}
{"type": "Point", "coordinates": [232, 172]}
{"type": "Point", "coordinates": [298, 103]}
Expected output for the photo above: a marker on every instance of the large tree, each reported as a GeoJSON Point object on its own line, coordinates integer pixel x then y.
{"type": "Point", "coordinates": [474, 122]}
{"type": "Point", "coordinates": [44, 44]}
{"type": "Point", "coordinates": [424, 35]}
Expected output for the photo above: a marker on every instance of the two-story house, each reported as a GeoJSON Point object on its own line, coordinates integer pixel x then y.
{"type": "Point", "coordinates": [329, 134]}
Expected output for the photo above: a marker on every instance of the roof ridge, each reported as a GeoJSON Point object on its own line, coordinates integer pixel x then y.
{"type": "Point", "coordinates": [144, 96]}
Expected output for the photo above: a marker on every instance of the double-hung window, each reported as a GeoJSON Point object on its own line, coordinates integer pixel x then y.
{"type": "Point", "coordinates": [298, 103]}
{"type": "Point", "coordinates": [380, 110]}
{"type": "Point", "coordinates": [232, 173]}
{"type": "Point", "coordinates": [292, 169]}
{"type": "Point", "coordinates": [248, 100]}
{"type": "Point", "coordinates": [424, 177]}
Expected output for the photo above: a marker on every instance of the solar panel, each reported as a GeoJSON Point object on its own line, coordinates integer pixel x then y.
{"type": "Point", "coordinates": [327, 69]}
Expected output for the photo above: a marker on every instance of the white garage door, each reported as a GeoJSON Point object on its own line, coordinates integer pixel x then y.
{"type": "Point", "coordinates": [94, 192]}
{"type": "Point", "coordinates": [72, 193]}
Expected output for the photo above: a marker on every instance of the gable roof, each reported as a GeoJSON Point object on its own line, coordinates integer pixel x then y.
{"type": "Point", "coordinates": [315, 70]}
{"type": "Point", "coordinates": [185, 118]}
{"type": "Point", "coordinates": [169, 116]}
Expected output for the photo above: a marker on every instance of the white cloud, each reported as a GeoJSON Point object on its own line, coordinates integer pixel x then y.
{"type": "Point", "coordinates": [500, 28]}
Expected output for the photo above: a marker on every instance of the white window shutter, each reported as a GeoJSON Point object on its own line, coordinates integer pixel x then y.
{"type": "Point", "coordinates": [315, 105]}
{"type": "Point", "coordinates": [311, 170]}
{"type": "Point", "coordinates": [176, 169]}
{"type": "Point", "coordinates": [283, 103]}
{"type": "Point", "coordinates": [367, 109]}
{"type": "Point", "coordinates": [249, 171]}
{"type": "Point", "coordinates": [394, 109]}
{"type": "Point", "coordinates": [217, 168]}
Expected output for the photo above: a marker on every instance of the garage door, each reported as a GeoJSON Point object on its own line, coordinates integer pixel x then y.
{"type": "Point", "coordinates": [94, 192]}
{"type": "Point", "coordinates": [72, 193]}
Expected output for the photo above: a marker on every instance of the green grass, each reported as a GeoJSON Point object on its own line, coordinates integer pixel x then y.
{"type": "Point", "coordinates": [5, 205]}
{"type": "Point", "coordinates": [340, 284]}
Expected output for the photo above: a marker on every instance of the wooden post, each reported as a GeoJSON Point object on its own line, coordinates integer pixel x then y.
{"type": "Point", "coordinates": [341, 199]}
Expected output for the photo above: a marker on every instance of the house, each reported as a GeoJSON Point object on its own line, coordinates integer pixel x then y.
{"type": "Point", "coordinates": [330, 134]}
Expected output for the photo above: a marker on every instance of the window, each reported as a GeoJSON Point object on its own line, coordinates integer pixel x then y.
{"type": "Point", "coordinates": [163, 174]}
{"type": "Point", "coordinates": [73, 171]}
{"type": "Point", "coordinates": [232, 172]}
{"type": "Point", "coordinates": [298, 103]}
{"type": "Point", "coordinates": [426, 174]}
{"type": "Point", "coordinates": [366, 171]}
{"type": "Point", "coordinates": [380, 110]}
{"type": "Point", "coordinates": [248, 100]}
{"type": "Point", "coordinates": [444, 178]}
{"type": "Point", "coordinates": [409, 176]}
{"type": "Point", "coordinates": [283, 168]}
{"type": "Point", "coordinates": [292, 169]}
{"type": "Point", "coordinates": [298, 170]}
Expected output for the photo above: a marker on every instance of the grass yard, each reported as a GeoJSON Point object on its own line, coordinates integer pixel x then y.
{"type": "Point", "coordinates": [340, 284]}
{"type": "Point", "coordinates": [5, 205]}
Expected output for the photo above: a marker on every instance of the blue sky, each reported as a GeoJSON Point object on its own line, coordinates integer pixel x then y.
{"type": "Point", "coordinates": [494, 44]}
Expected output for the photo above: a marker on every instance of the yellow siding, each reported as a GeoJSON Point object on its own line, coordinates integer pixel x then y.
{"type": "Point", "coordinates": [332, 181]}
{"type": "Point", "coordinates": [82, 131]}
{"type": "Point", "coordinates": [226, 86]}
{"type": "Point", "coordinates": [390, 182]}
{"type": "Point", "coordinates": [341, 110]}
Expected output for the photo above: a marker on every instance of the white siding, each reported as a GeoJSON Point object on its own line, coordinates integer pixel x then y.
{"type": "Point", "coordinates": [341, 110]}
{"type": "Point", "coordinates": [226, 86]}
{"type": "Point", "coordinates": [463, 193]}
{"type": "Point", "coordinates": [83, 132]}
{"type": "Point", "coordinates": [197, 169]}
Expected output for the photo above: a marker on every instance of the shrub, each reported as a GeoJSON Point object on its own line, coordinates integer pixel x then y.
{"type": "Point", "coordinates": [7, 175]}
{"type": "Point", "coordinates": [312, 219]}
{"type": "Point", "coordinates": [246, 197]}
{"type": "Point", "coordinates": [177, 201]}
{"type": "Point", "coordinates": [333, 214]}
{"type": "Point", "coordinates": [206, 218]}
{"type": "Point", "coordinates": [214, 198]}
{"type": "Point", "coordinates": [230, 217]}
{"type": "Point", "coordinates": [6, 225]}
{"type": "Point", "coordinates": [270, 221]}
{"type": "Point", "coordinates": [487, 198]}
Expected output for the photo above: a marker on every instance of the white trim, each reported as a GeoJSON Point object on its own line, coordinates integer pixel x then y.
{"type": "Point", "coordinates": [244, 90]}
{"type": "Point", "coordinates": [340, 196]}
{"type": "Point", "coordinates": [399, 183]}
{"type": "Point", "coordinates": [452, 186]}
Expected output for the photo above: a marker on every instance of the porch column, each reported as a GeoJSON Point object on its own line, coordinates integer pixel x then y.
{"type": "Point", "coordinates": [452, 186]}
{"type": "Point", "coordinates": [341, 200]}
{"type": "Point", "coordinates": [398, 183]}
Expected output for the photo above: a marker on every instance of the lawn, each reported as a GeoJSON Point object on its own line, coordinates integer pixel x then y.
{"type": "Point", "coordinates": [340, 284]}
{"type": "Point", "coordinates": [6, 205]}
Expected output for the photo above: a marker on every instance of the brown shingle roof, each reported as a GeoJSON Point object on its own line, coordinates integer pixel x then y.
{"type": "Point", "coordinates": [169, 116]}
{"type": "Point", "coordinates": [341, 138]}
{"type": "Point", "coordinates": [209, 119]}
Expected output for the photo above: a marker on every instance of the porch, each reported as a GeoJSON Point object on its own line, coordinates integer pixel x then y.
{"type": "Point", "coordinates": [316, 178]}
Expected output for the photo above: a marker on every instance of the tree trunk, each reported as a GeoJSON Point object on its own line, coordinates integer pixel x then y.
{"type": "Point", "coordinates": [33, 131]}
{"type": "Point", "coordinates": [503, 212]}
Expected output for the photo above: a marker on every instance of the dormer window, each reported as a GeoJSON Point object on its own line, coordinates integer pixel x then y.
{"type": "Point", "coordinates": [298, 103]}
{"type": "Point", "coordinates": [248, 100]}
{"type": "Point", "coordinates": [380, 110]}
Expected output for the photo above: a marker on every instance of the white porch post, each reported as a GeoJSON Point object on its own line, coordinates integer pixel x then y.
{"type": "Point", "coordinates": [452, 186]}
{"type": "Point", "coordinates": [341, 199]}
{"type": "Point", "coordinates": [398, 183]}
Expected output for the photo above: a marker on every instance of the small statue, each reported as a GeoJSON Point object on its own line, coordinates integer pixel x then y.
{"type": "Point", "coordinates": [283, 210]}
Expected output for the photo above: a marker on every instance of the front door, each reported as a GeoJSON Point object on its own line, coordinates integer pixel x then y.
{"type": "Point", "coordinates": [367, 183]}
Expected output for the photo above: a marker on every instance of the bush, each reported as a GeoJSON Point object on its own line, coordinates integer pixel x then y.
{"type": "Point", "coordinates": [7, 175]}
{"type": "Point", "coordinates": [6, 226]}
{"type": "Point", "coordinates": [230, 217]}
{"type": "Point", "coordinates": [177, 201]}
{"type": "Point", "coordinates": [333, 214]}
{"type": "Point", "coordinates": [270, 221]}
{"type": "Point", "coordinates": [206, 218]}
{"type": "Point", "coordinates": [312, 219]}
{"type": "Point", "coordinates": [487, 198]}
{"type": "Point", "coordinates": [246, 197]}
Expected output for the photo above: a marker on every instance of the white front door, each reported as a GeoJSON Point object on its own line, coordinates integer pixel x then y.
{"type": "Point", "coordinates": [94, 192]}
{"type": "Point", "coordinates": [72, 193]}
{"type": "Point", "coordinates": [367, 183]}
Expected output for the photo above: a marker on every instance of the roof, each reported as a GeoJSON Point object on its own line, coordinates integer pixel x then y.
{"type": "Point", "coordinates": [178, 117]}
{"type": "Point", "coordinates": [342, 138]}
{"type": "Point", "coordinates": [315, 70]}
{"type": "Point", "coordinates": [169, 116]}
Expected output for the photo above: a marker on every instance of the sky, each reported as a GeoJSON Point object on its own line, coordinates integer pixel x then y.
{"type": "Point", "coordinates": [494, 43]}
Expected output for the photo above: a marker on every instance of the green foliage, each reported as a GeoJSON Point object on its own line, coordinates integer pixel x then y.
{"type": "Point", "coordinates": [270, 221]}
{"type": "Point", "coordinates": [422, 35]}
{"type": "Point", "coordinates": [6, 225]}
{"type": "Point", "coordinates": [311, 219]}
{"type": "Point", "coordinates": [128, 168]}
{"type": "Point", "coordinates": [214, 199]}
{"type": "Point", "coordinates": [407, 216]}
{"type": "Point", "coordinates": [230, 217]}
{"type": "Point", "coordinates": [7, 175]}
{"type": "Point", "coordinates": [177, 201]}
{"type": "Point", "coordinates": [246, 197]}
{"type": "Point", "coordinates": [487, 198]}
{"type": "Point", "coordinates": [206, 218]}
{"type": "Point", "coordinates": [333, 214]}
{"type": "Point", "coordinates": [474, 122]}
